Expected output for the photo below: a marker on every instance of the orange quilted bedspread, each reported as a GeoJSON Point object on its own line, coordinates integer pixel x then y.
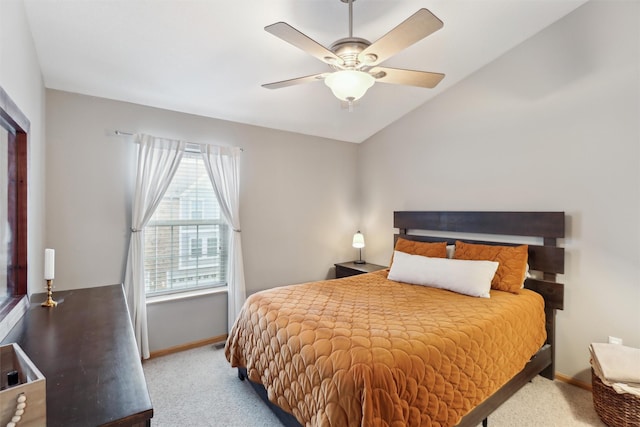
{"type": "Point", "coordinates": [367, 351]}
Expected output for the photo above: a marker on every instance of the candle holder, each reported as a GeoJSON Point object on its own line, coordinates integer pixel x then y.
{"type": "Point", "coordinates": [49, 302]}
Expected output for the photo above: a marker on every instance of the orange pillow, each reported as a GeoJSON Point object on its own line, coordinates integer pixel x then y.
{"type": "Point", "coordinates": [513, 262]}
{"type": "Point", "coordinates": [430, 249]}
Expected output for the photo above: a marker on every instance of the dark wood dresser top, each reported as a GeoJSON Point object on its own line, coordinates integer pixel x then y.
{"type": "Point", "coordinates": [86, 350]}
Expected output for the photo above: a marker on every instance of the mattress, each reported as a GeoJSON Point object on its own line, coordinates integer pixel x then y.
{"type": "Point", "coordinates": [365, 350]}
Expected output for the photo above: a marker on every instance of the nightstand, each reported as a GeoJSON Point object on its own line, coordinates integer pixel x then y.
{"type": "Point", "coordinates": [346, 269]}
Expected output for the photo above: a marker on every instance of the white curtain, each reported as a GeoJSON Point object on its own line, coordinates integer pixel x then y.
{"type": "Point", "coordinates": [158, 160]}
{"type": "Point", "coordinates": [222, 164]}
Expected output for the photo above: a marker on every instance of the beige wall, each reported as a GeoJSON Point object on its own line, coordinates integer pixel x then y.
{"type": "Point", "coordinates": [298, 207]}
{"type": "Point", "coordinates": [20, 77]}
{"type": "Point", "coordinates": [551, 125]}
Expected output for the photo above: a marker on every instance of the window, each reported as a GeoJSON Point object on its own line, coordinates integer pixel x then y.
{"type": "Point", "coordinates": [185, 240]}
{"type": "Point", "coordinates": [213, 248]}
{"type": "Point", "coordinates": [196, 209]}
{"type": "Point", "coordinates": [196, 248]}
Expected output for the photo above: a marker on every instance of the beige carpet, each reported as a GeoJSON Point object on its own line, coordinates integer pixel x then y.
{"type": "Point", "coordinates": [199, 388]}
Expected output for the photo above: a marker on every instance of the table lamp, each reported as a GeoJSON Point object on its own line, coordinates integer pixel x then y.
{"type": "Point", "coordinates": [358, 242]}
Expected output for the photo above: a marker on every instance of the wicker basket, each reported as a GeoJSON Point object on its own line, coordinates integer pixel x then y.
{"type": "Point", "coordinates": [614, 409]}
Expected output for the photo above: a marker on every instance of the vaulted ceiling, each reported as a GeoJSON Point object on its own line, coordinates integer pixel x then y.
{"type": "Point", "coordinates": [210, 57]}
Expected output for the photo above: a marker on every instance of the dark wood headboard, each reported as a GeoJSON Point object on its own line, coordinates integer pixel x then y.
{"type": "Point", "coordinates": [547, 258]}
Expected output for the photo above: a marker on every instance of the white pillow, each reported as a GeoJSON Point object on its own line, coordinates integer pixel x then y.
{"type": "Point", "coordinates": [468, 277]}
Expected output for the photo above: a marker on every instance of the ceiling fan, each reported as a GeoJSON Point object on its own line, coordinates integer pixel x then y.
{"type": "Point", "coordinates": [355, 61]}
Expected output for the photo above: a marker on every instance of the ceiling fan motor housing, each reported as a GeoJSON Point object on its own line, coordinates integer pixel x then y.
{"type": "Point", "coordinates": [348, 49]}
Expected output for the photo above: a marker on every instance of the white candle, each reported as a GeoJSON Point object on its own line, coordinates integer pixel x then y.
{"type": "Point", "coordinates": [49, 264]}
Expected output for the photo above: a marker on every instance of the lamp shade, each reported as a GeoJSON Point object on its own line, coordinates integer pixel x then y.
{"type": "Point", "coordinates": [349, 85]}
{"type": "Point", "coordinates": [358, 240]}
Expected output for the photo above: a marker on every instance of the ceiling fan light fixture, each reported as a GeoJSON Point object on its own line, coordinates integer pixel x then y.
{"type": "Point", "coordinates": [349, 85]}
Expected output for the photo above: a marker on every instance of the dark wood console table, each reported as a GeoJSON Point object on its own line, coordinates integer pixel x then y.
{"type": "Point", "coordinates": [86, 350]}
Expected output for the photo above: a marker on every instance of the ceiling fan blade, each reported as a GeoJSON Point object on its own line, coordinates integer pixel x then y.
{"type": "Point", "coordinates": [406, 77]}
{"type": "Point", "coordinates": [296, 81]}
{"type": "Point", "coordinates": [415, 28]}
{"type": "Point", "coordinates": [289, 34]}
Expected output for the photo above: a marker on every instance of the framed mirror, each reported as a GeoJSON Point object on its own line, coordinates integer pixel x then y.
{"type": "Point", "coordinates": [14, 131]}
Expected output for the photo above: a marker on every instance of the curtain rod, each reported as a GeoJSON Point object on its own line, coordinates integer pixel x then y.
{"type": "Point", "coordinates": [117, 132]}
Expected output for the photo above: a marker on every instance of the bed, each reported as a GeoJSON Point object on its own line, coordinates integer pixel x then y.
{"type": "Point", "coordinates": [375, 350]}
